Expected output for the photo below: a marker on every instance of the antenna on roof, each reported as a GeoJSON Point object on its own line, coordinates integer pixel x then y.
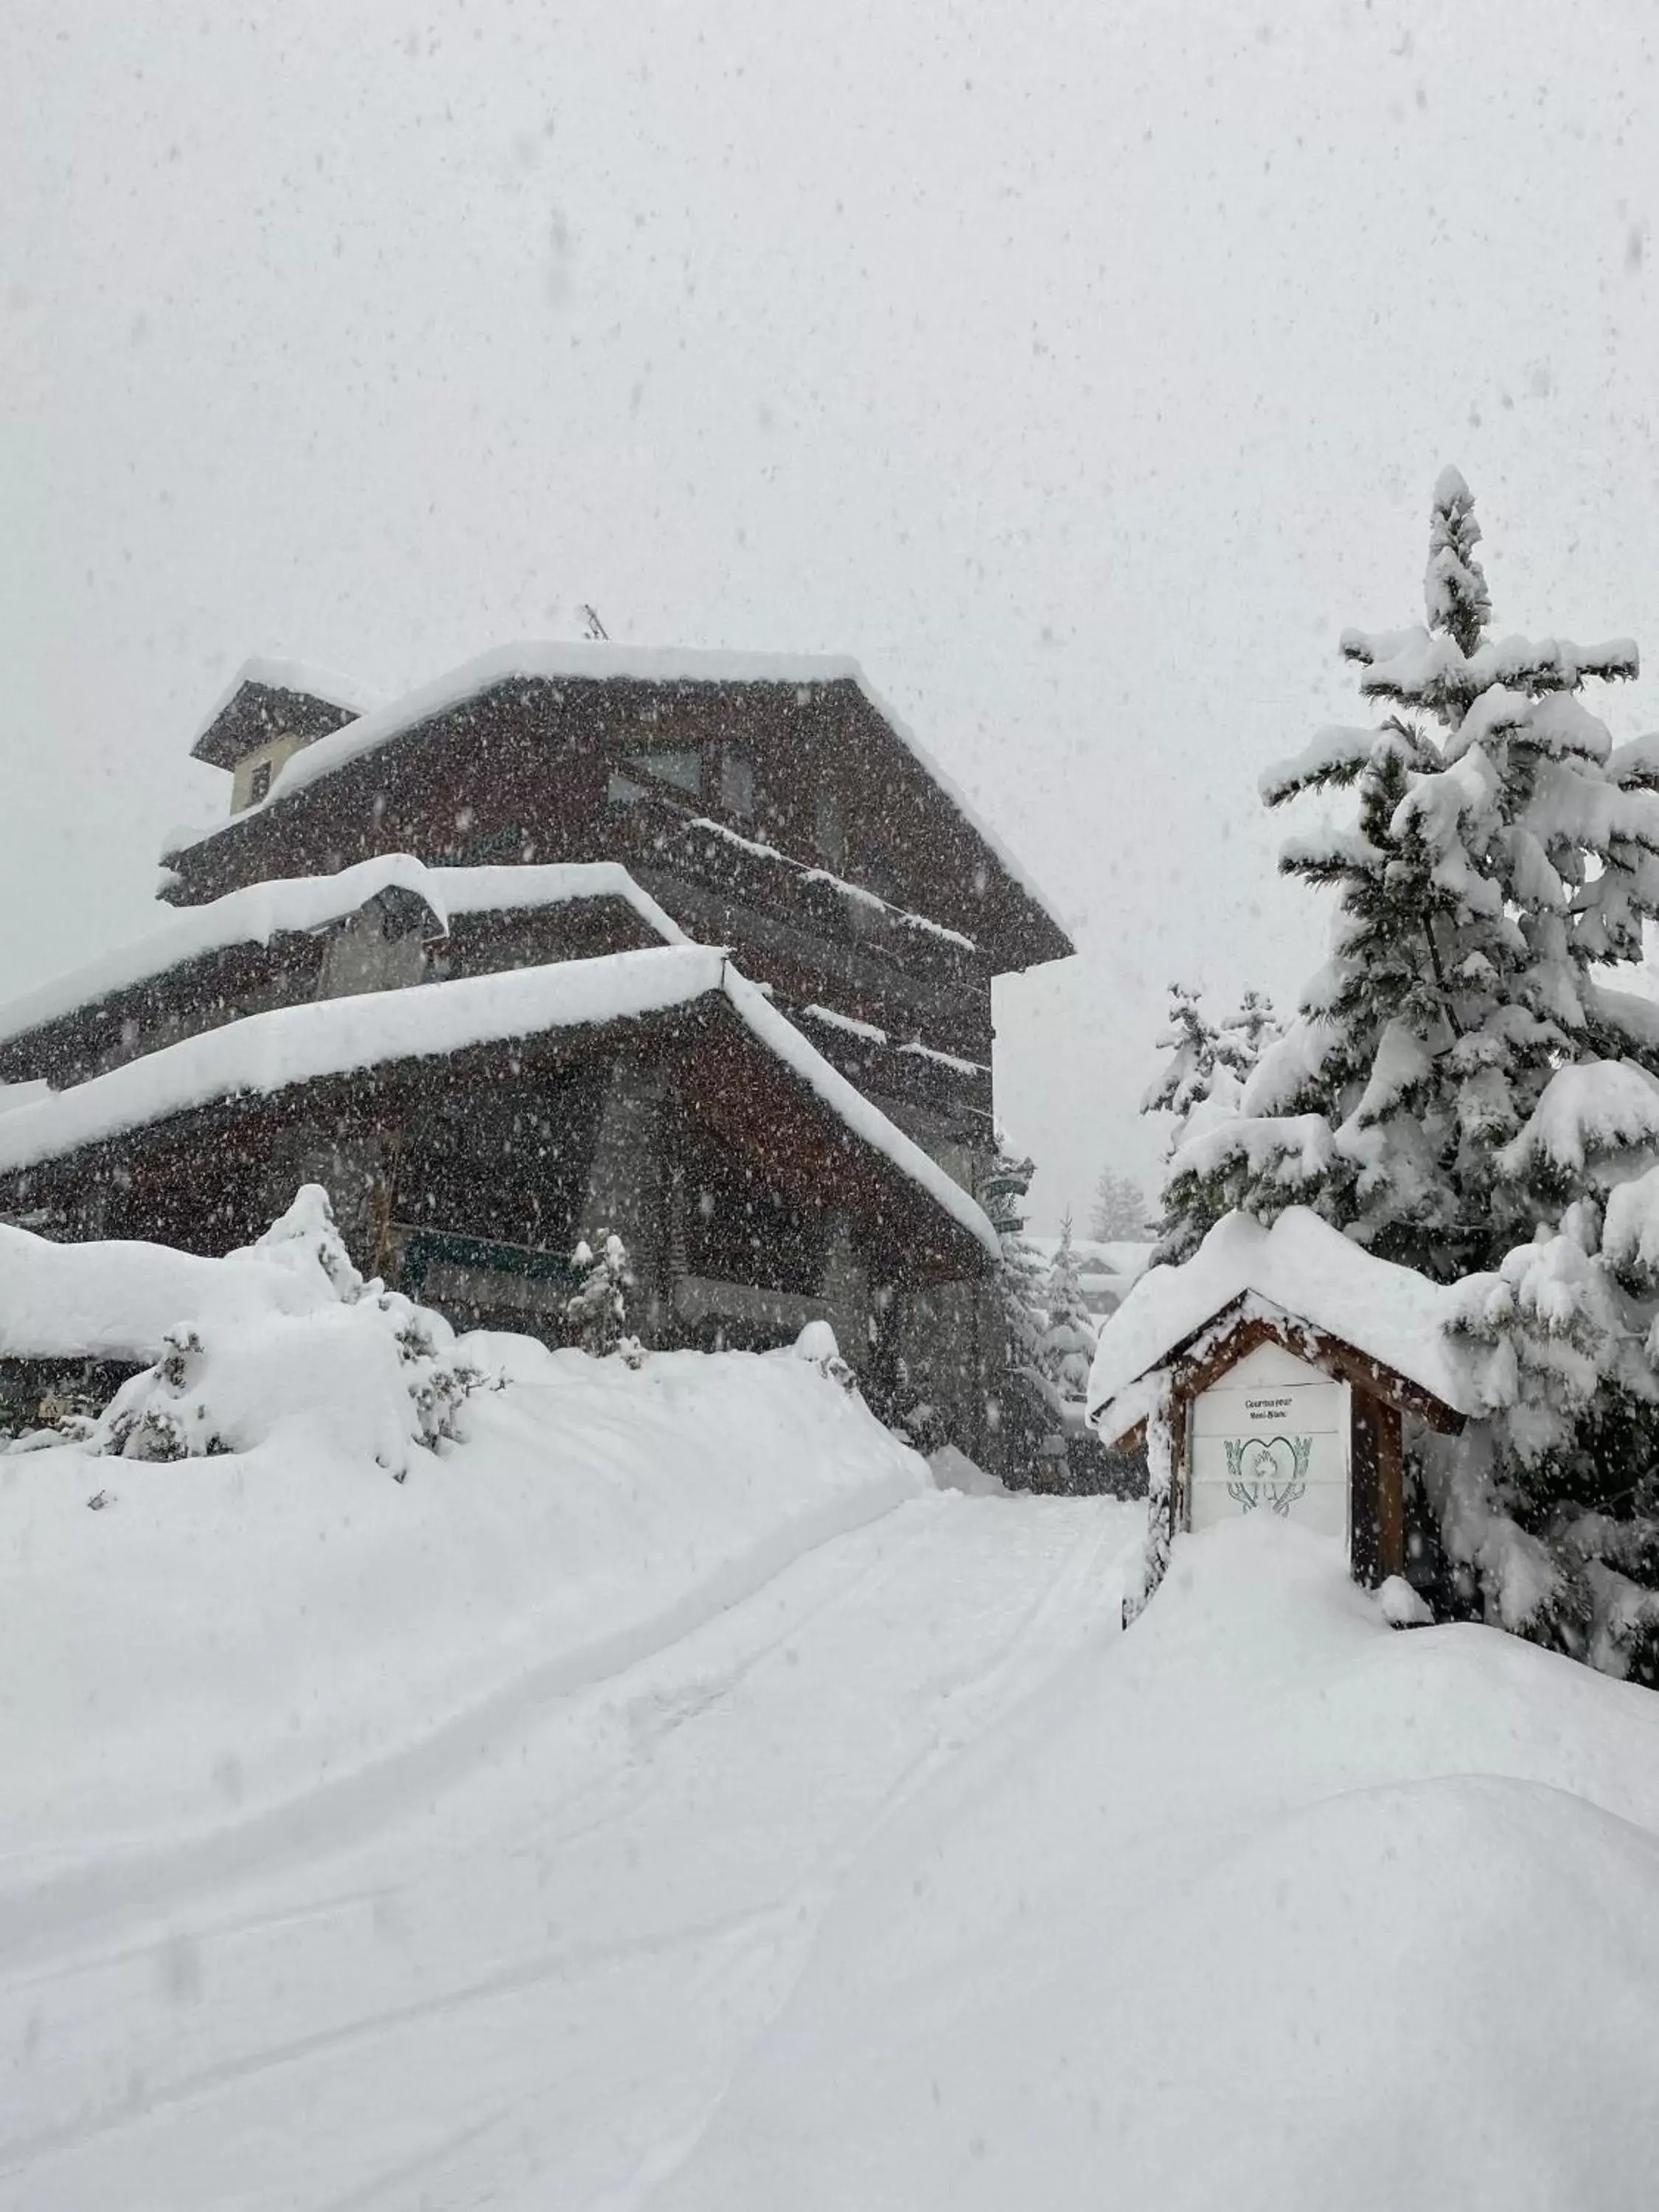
{"type": "Point", "coordinates": [596, 629]}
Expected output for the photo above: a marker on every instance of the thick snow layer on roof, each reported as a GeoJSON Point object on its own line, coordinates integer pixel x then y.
{"type": "Point", "coordinates": [1307, 1270]}
{"type": "Point", "coordinates": [116, 1300]}
{"type": "Point", "coordinates": [265, 1052]}
{"type": "Point", "coordinates": [572, 663]}
{"type": "Point", "coordinates": [262, 911]}
{"type": "Point", "coordinates": [299, 676]}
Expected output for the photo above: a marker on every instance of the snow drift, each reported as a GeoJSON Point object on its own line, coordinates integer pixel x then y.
{"type": "Point", "coordinates": [1263, 1905]}
{"type": "Point", "coordinates": [235, 1626]}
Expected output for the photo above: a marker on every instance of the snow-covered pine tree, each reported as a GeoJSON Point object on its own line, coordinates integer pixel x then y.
{"type": "Point", "coordinates": [1197, 1047]}
{"type": "Point", "coordinates": [1066, 1350]}
{"type": "Point", "coordinates": [598, 1311]}
{"type": "Point", "coordinates": [1020, 1281]}
{"type": "Point", "coordinates": [1202, 1084]}
{"type": "Point", "coordinates": [1117, 1213]}
{"type": "Point", "coordinates": [1246, 1035]}
{"type": "Point", "coordinates": [1463, 1090]}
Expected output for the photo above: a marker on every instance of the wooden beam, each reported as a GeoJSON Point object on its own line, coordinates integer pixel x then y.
{"type": "Point", "coordinates": [1192, 1372]}
{"type": "Point", "coordinates": [1367, 1419]}
{"type": "Point", "coordinates": [1390, 1495]}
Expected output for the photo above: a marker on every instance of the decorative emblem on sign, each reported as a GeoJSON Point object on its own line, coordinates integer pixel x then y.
{"type": "Point", "coordinates": [1269, 1471]}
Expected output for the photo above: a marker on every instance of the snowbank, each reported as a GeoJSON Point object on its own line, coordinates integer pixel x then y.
{"type": "Point", "coordinates": [227, 1632]}
{"type": "Point", "coordinates": [1263, 1905]}
{"type": "Point", "coordinates": [1303, 1268]}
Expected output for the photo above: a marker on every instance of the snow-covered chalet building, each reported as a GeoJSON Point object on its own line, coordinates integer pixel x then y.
{"type": "Point", "coordinates": [696, 947]}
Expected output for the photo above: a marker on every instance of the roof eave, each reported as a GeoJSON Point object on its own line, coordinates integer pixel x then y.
{"type": "Point", "coordinates": [1401, 1390]}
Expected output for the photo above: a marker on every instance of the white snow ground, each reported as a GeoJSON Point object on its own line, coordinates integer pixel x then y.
{"type": "Point", "coordinates": [450, 1842]}
{"type": "Point", "coordinates": [669, 1799]}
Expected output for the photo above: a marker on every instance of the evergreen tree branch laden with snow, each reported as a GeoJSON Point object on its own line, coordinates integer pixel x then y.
{"type": "Point", "coordinates": [1201, 1084]}
{"type": "Point", "coordinates": [1020, 1275]}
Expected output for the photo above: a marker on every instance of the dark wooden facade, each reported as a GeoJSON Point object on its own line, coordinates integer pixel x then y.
{"type": "Point", "coordinates": [784, 821]}
{"type": "Point", "coordinates": [814, 844]}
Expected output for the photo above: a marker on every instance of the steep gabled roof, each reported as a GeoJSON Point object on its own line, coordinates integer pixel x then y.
{"type": "Point", "coordinates": [595, 663]}
{"type": "Point", "coordinates": [1302, 1268]}
{"type": "Point", "coordinates": [266, 697]}
{"type": "Point", "coordinates": [262, 1054]}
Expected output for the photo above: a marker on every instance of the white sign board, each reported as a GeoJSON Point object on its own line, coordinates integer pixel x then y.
{"type": "Point", "coordinates": [1271, 1438]}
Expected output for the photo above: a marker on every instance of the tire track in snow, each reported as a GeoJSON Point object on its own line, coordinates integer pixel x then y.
{"type": "Point", "coordinates": [833, 1605]}
{"type": "Point", "coordinates": [59, 1908]}
{"type": "Point", "coordinates": [1036, 1647]}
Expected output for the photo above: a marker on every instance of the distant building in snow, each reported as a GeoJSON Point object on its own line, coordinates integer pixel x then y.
{"type": "Point", "coordinates": [703, 948]}
{"type": "Point", "coordinates": [1106, 1272]}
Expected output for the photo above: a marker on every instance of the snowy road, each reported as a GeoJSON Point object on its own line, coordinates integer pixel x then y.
{"type": "Point", "coordinates": [522, 1969]}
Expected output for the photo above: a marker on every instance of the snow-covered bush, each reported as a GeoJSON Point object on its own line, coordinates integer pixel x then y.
{"type": "Point", "coordinates": [371, 1371]}
{"type": "Point", "coordinates": [1461, 1090]}
{"type": "Point", "coordinates": [817, 1345]}
{"type": "Point", "coordinates": [598, 1311]}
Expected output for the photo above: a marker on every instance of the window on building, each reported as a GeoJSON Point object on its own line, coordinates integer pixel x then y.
{"type": "Point", "coordinates": [737, 781]}
{"type": "Point", "coordinates": [829, 831]}
{"type": "Point", "coordinates": [260, 783]}
{"type": "Point", "coordinates": [680, 765]}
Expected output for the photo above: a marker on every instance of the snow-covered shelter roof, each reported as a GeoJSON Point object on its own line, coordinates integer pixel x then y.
{"type": "Point", "coordinates": [300, 904]}
{"type": "Point", "coordinates": [266, 1053]}
{"type": "Point", "coordinates": [572, 663]}
{"type": "Point", "coordinates": [1300, 1269]}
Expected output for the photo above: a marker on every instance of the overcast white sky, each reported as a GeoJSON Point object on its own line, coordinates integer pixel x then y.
{"type": "Point", "coordinates": [1082, 369]}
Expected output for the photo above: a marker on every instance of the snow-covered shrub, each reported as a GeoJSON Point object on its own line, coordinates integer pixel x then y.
{"type": "Point", "coordinates": [817, 1345]}
{"type": "Point", "coordinates": [598, 1311]}
{"type": "Point", "coordinates": [366, 1369]}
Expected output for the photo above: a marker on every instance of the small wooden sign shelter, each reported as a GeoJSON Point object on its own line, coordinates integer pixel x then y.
{"type": "Point", "coordinates": [1270, 1378]}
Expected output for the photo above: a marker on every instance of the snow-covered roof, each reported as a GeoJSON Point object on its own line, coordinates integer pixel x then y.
{"type": "Point", "coordinates": [298, 903]}
{"type": "Point", "coordinates": [117, 1300]}
{"type": "Point", "coordinates": [1300, 1266]}
{"type": "Point", "coordinates": [571, 663]}
{"type": "Point", "coordinates": [323, 684]}
{"type": "Point", "coordinates": [267, 1052]}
